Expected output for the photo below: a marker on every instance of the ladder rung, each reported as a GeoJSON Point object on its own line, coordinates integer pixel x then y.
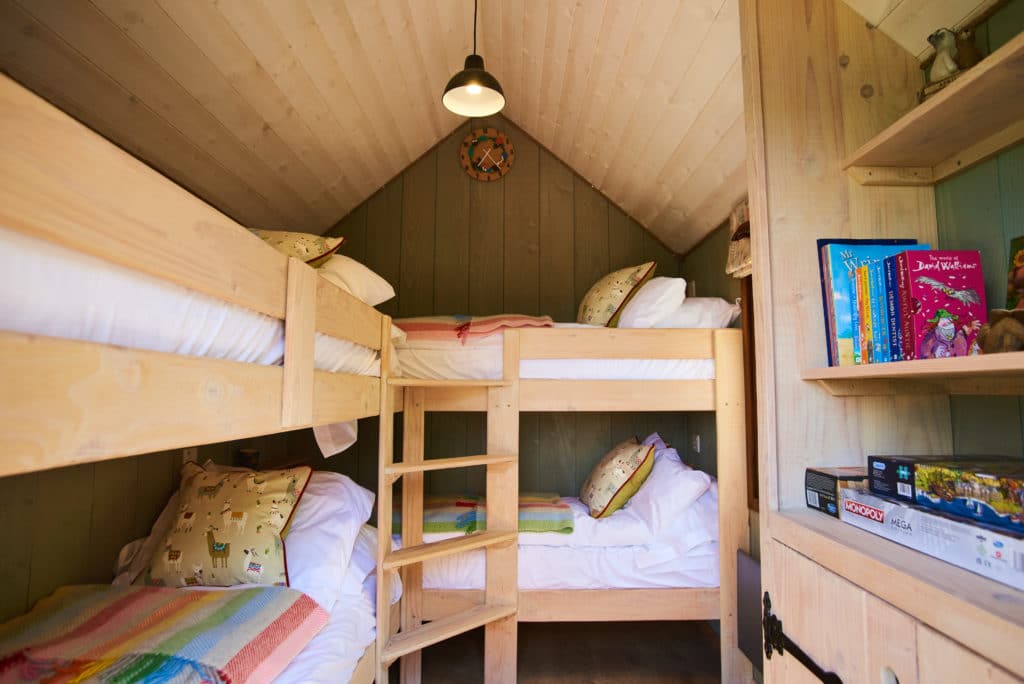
{"type": "Point", "coordinates": [433, 382]}
{"type": "Point", "coordinates": [447, 547]}
{"type": "Point", "coordinates": [415, 639]}
{"type": "Point", "coordinates": [447, 463]}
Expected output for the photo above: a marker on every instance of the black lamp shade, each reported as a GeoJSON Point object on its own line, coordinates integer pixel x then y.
{"type": "Point", "coordinates": [473, 91]}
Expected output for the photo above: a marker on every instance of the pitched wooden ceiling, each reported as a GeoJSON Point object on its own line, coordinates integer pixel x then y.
{"type": "Point", "coordinates": [289, 113]}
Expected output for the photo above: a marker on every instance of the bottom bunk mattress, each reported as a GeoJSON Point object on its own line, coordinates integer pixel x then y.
{"type": "Point", "coordinates": [49, 290]}
{"type": "Point", "coordinates": [618, 552]}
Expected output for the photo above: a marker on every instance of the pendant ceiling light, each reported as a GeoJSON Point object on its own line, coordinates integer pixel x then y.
{"type": "Point", "coordinates": [473, 91]}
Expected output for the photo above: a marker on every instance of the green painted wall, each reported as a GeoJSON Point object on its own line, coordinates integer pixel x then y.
{"type": "Point", "coordinates": [66, 526]}
{"type": "Point", "coordinates": [704, 267]}
{"type": "Point", "coordinates": [983, 208]}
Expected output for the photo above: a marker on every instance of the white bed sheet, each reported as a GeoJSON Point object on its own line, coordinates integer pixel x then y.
{"type": "Point", "coordinates": [482, 360]}
{"type": "Point", "coordinates": [49, 290]}
{"type": "Point", "coordinates": [684, 555]}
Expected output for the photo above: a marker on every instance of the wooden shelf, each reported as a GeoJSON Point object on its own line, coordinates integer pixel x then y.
{"type": "Point", "coordinates": [445, 628]}
{"type": "Point", "coordinates": [991, 374]}
{"type": "Point", "coordinates": [979, 114]}
{"type": "Point", "coordinates": [974, 610]}
{"type": "Point", "coordinates": [447, 547]}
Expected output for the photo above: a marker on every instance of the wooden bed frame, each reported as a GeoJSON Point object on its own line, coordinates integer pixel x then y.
{"type": "Point", "coordinates": [65, 402]}
{"type": "Point", "coordinates": [724, 394]}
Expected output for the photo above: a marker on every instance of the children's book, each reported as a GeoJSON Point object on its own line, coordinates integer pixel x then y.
{"type": "Point", "coordinates": [892, 310]}
{"type": "Point", "coordinates": [864, 351]}
{"type": "Point", "coordinates": [837, 257]}
{"type": "Point", "coordinates": [942, 302]}
{"type": "Point", "coordinates": [879, 320]}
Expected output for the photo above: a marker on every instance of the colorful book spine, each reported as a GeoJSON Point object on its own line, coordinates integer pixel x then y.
{"type": "Point", "coordinates": [863, 287]}
{"type": "Point", "coordinates": [879, 322]}
{"type": "Point", "coordinates": [905, 306]}
{"type": "Point", "coordinates": [892, 310]}
{"type": "Point", "coordinates": [946, 302]}
{"type": "Point", "coordinates": [837, 257]}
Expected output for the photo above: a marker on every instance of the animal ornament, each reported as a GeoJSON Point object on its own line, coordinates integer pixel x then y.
{"type": "Point", "coordinates": [944, 65]}
{"type": "Point", "coordinates": [219, 551]}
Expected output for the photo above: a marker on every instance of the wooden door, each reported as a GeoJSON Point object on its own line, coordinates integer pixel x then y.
{"type": "Point", "coordinates": [843, 628]}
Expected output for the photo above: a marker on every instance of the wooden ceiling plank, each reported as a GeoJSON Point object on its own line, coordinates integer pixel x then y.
{"type": "Point", "coordinates": [490, 39]}
{"type": "Point", "coordinates": [709, 127]}
{"type": "Point", "coordinates": [618, 25]}
{"type": "Point", "coordinates": [403, 95]}
{"type": "Point", "coordinates": [535, 30]}
{"type": "Point", "coordinates": [433, 25]}
{"type": "Point", "coordinates": [217, 40]}
{"type": "Point", "coordinates": [262, 37]}
{"type": "Point", "coordinates": [419, 96]}
{"type": "Point", "coordinates": [631, 81]}
{"type": "Point", "coordinates": [689, 29]}
{"type": "Point", "coordinates": [37, 57]}
{"type": "Point", "coordinates": [586, 27]}
{"type": "Point", "coordinates": [560, 20]}
{"type": "Point", "coordinates": [712, 172]}
{"type": "Point", "coordinates": [93, 35]}
{"type": "Point", "coordinates": [354, 145]}
{"type": "Point", "coordinates": [336, 25]}
{"type": "Point", "coordinates": [145, 23]}
{"type": "Point", "coordinates": [710, 214]}
{"type": "Point", "coordinates": [512, 12]}
{"type": "Point", "coordinates": [719, 50]}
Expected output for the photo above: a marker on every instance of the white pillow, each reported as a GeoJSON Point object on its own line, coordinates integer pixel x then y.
{"type": "Point", "coordinates": [670, 489]}
{"type": "Point", "coordinates": [319, 543]}
{"type": "Point", "coordinates": [657, 299]}
{"type": "Point", "coordinates": [357, 279]}
{"type": "Point", "coordinates": [701, 312]}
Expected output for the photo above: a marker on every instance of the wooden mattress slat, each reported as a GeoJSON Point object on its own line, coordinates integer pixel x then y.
{"type": "Point", "coordinates": [615, 343]}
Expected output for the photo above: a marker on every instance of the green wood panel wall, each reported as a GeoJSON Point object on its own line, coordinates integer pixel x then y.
{"type": "Point", "coordinates": [983, 209]}
{"type": "Point", "coordinates": [66, 526]}
{"type": "Point", "coordinates": [533, 242]}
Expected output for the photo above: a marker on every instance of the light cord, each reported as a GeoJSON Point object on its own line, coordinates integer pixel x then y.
{"type": "Point", "coordinates": [474, 25]}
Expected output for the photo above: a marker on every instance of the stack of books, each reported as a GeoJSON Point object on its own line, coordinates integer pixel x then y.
{"type": "Point", "coordinates": [895, 300]}
{"type": "Point", "coordinates": [966, 512]}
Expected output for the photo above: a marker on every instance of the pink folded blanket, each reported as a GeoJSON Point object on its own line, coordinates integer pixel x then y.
{"type": "Point", "coordinates": [465, 328]}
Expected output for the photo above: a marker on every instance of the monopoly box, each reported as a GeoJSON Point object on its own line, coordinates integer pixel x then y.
{"type": "Point", "coordinates": [996, 555]}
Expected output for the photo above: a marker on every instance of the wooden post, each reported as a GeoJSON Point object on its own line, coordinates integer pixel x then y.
{"type": "Point", "coordinates": [502, 585]}
{"type": "Point", "coordinates": [412, 526]}
{"type": "Point", "coordinates": [299, 339]}
{"type": "Point", "coordinates": [384, 459]}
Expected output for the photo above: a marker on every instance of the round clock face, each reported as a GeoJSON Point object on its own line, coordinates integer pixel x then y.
{"type": "Point", "coordinates": [486, 154]}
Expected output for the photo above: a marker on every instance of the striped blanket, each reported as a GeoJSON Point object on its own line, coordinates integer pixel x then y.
{"type": "Point", "coordinates": [466, 328]}
{"type": "Point", "coordinates": [537, 513]}
{"type": "Point", "coordinates": [93, 633]}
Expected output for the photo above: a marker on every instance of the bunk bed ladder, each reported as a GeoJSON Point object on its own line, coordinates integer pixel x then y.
{"type": "Point", "coordinates": [497, 614]}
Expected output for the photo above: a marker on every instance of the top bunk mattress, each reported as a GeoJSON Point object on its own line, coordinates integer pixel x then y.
{"type": "Point", "coordinates": [52, 291]}
{"type": "Point", "coordinates": [482, 360]}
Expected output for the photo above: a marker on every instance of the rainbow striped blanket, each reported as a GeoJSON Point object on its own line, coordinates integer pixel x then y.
{"type": "Point", "coordinates": [537, 513]}
{"type": "Point", "coordinates": [465, 328]}
{"type": "Point", "coordinates": [100, 633]}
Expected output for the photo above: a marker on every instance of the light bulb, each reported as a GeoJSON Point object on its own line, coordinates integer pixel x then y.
{"type": "Point", "coordinates": [474, 89]}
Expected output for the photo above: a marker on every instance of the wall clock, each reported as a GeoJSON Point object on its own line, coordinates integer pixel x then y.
{"type": "Point", "coordinates": [486, 154]}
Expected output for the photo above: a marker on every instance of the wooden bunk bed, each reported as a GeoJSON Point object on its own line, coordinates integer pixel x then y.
{"type": "Point", "coordinates": [67, 401]}
{"type": "Point", "coordinates": [501, 604]}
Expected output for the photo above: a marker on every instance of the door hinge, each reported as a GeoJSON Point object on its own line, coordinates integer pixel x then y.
{"type": "Point", "coordinates": [776, 640]}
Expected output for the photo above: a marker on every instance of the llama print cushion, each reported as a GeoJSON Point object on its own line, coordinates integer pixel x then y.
{"type": "Point", "coordinates": [230, 528]}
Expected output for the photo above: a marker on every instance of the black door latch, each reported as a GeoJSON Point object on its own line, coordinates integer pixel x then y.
{"type": "Point", "coordinates": [776, 640]}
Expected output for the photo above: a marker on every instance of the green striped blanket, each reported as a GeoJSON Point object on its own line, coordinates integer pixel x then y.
{"type": "Point", "coordinates": [537, 513]}
{"type": "Point", "coordinates": [100, 633]}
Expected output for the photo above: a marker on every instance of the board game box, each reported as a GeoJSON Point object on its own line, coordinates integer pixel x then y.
{"type": "Point", "coordinates": [942, 302]}
{"type": "Point", "coordinates": [822, 485]}
{"type": "Point", "coordinates": [993, 554]}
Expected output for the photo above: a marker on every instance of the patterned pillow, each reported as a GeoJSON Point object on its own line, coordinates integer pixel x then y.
{"type": "Point", "coordinates": [229, 528]}
{"type": "Point", "coordinates": [605, 300]}
{"type": "Point", "coordinates": [617, 477]}
{"type": "Point", "coordinates": [315, 250]}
